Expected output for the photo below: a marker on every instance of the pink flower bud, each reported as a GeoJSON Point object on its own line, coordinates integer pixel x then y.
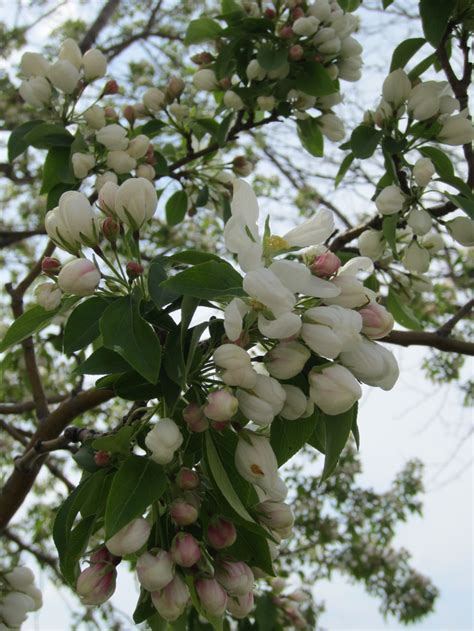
{"type": "Point", "coordinates": [325, 265]}
{"type": "Point", "coordinates": [50, 265]}
{"type": "Point", "coordinates": [102, 458]}
{"type": "Point", "coordinates": [296, 53]}
{"type": "Point", "coordinates": [297, 13]}
{"type": "Point", "coordinates": [129, 113]}
{"type": "Point", "coordinates": [235, 577]}
{"type": "Point", "coordinates": [134, 269]}
{"type": "Point", "coordinates": [286, 32]}
{"type": "Point", "coordinates": [240, 606]}
{"type": "Point", "coordinates": [183, 513]}
{"type": "Point", "coordinates": [202, 59]}
{"type": "Point", "coordinates": [110, 113]}
{"type": "Point", "coordinates": [111, 229]}
{"type": "Point", "coordinates": [221, 405]}
{"type": "Point", "coordinates": [185, 550]}
{"type": "Point", "coordinates": [187, 479]}
{"type": "Point", "coordinates": [225, 83]}
{"type": "Point", "coordinates": [194, 418]}
{"type": "Point", "coordinates": [211, 595]}
{"type": "Point", "coordinates": [96, 584]}
{"type": "Point", "coordinates": [270, 13]}
{"type": "Point", "coordinates": [171, 601]}
{"type": "Point", "coordinates": [130, 538]}
{"type": "Point", "coordinates": [102, 555]}
{"type": "Point", "coordinates": [79, 277]}
{"type": "Point", "coordinates": [156, 570]}
{"type": "Point", "coordinates": [111, 87]}
{"type": "Point", "coordinates": [377, 321]}
{"type": "Point", "coordinates": [221, 533]}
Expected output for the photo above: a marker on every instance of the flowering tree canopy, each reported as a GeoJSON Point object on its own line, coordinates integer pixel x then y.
{"type": "Point", "coordinates": [182, 343]}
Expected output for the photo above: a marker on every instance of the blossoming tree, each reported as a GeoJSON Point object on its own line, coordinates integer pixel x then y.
{"type": "Point", "coordinates": [196, 372]}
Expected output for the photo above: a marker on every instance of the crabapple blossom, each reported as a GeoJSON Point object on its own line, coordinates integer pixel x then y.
{"type": "Point", "coordinates": [333, 389]}
{"type": "Point", "coordinates": [286, 359]}
{"type": "Point", "coordinates": [48, 296]}
{"type": "Point", "coordinates": [462, 230]}
{"type": "Point", "coordinates": [377, 321]}
{"type": "Point", "coordinates": [330, 330]}
{"type": "Point", "coordinates": [136, 202]}
{"type": "Point", "coordinates": [79, 277]}
{"type": "Point", "coordinates": [155, 570]}
{"type": "Point", "coordinates": [390, 201]}
{"type": "Point", "coordinates": [423, 171]}
{"type": "Point", "coordinates": [130, 538]}
{"type": "Point", "coordinates": [163, 440]}
{"type": "Point", "coordinates": [171, 601]}
{"type": "Point", "coordinates": [221, 533]}
{"type": "Point", "coordinates": [372, 364]}
{"type": "Point", "coordinates": [256, 463]}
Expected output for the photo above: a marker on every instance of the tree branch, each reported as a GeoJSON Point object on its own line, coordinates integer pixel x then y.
{"type": "Point", "coordinates": [19, 483]}
{"type": "Point", "coordinates": [434, 340]}
{"type": "Point", "coordinates": [42, 557]}
{"type": "Point", "coordinates": [448, 326]}
{"type": "Point", "coordinates": [99, 23]}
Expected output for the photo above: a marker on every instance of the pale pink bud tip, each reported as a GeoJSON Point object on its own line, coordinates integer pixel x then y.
{"type": "Point", "coordinates": [194, 418]}
{"type": "Point", "coordinates": [183, 513]}
{"type": "Point", "coordinates": [212, 596]}
{"type": "Point", "coordinates": [187, 479]}
{"type": "Point", "coordinates": [185, 550]}
{"type": "Point", "coordinates": [50, 265]}
{"type": "Point", "coordinates": [221, 533]}
{"type": "Point", "coordinates": [96, 584]}
{"type": "Point", "coordinates": [325, 265]}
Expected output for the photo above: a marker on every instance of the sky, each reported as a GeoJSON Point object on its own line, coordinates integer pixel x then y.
{"type": "Point", "coordinates": [414, 420]}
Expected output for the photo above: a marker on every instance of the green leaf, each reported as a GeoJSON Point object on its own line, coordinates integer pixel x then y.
{"type": "Point", "coordinates": [125, 332]}
{"type": "Point", "coordinates": [389, 229]}
{"type": "Point", "coordinates": [156, 276]}
{"type": "Point", "coordinates": [266, 613]}
{"type": "Point", "coordinates": [318, 437]}
{"type": "Point", "coordinates": [405, 51]}
{"type": "Point", "coordinates": [402, 312]}
{"type": "Point", "coordinates": [71, 542]}
{"type": "Point", "coordinates": [310, 136]}
{"type": "Point", "coordinates": [338, 429]}
{"type": "Point", "coordinates": [207, 280]}
{"type": "Point", "coordinates": [48, 135]}
{"type": "Point", "coordinates": [420, 68]}
{"type": "Point", "coordinates": [202, 30]}
{"type": "Point", "coordinates": [223, 130]}
{"type": "Point", "coordinates": [315, 80]}
{"type": "Point", "coordinates": [346, 163]}
{"type": "Point", "coordinates": [441, 161]}
{"type": "Point", "coordinates": [271, 59]}
{"type": "Point", "coordinates": [152, 128]}
{"type": "Point", "coordinates": [117, 443]}
{"type": "Point", "coordinates": [17, 142]}
{"type": "Point", "coordinates": [435, 15]}
{"type": "Point", "coordinates": [55, 193]}
{"type": "Point", "coordinates": [288, 437]}
{"type": "Point", "coordinates": [230, 6]}
{"type": "Point", "coordinates": [176, 208]}
{"type": "Point", "coordinates": [57, 169]}
{"type": "Point", "coordinates": [102, 362]}
{"type": "Point", "coordinates": [32, 321]}
{"type": "Point", "coordinates": [462, 202]}
{"type": "Point", "coordinates": [387, 3]}
{"type": "Point", "coordinates": [364, 141]}
{"type": "Point", "coordinates": [137, 484]}
{"type": "Point", "coordinates": [194, 257]}
{"type": "Point", "coordinates": [82, 326]}
{"type": "Point", "coordinates": [218, 472]}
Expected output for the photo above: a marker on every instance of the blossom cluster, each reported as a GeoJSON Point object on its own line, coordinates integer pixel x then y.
{"type": "Point", "coordinates": [305, 32]}
{"type": "Point", "coordinates": [201, 547]}
{"type": "Point", "coordinates": [431, 103]}
{"type": "Point", "coordinates": [18, 596]}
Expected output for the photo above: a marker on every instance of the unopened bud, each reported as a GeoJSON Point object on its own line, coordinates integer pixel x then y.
{"type": "Point", "coordinates": [225, 83]}
{"type": "Point", "coordinates": [270, 13]}
{"type": "Point", "coordinates": [297, 13]}
{"type": "Point", "coordinates": [110, 113]}
{"type": "Point", "coordinates": [102, 555]}
{"type": "Point", "coordinates": [377, 321]}
{"type": "Point", "coordinates": [134, 270]}
{"type": "Point", "coordinates": [171, 601]}
{"type": "Point", "coordinates": [185, 550]}
{"type": "Point", "coordinates": [111, 87]}
{"type": "Point", "coordinates": [111, 229]}
{"type": "Point", "coordinates": [156, 570]}
{"type": "Point", "coordinates": [221, 405]}
{"type": "Point", "coordinates": [129, 113]}
{"type": "Point", "coordinates": [96, 584]}
{"type": "Point", "coordinates": [174, 89]}
{"type": "Point", "coordinates": [183, 513]}
{"type": "Point", "coordinates": [325, 265]}
{"type": "Point", "coordinates": [235, 577]}
{"type": "Point", "coordinates": [212, 596]}
{"type": "Point", "coordinates": [242, 166]}
{"type": "Point", "coordinates": [221, 533]}
{"type": "Point", "coordinates": [130, 538]}
{"type": "Point", "coordinates": [296, 53]}
{"type": "Point", "coordinates": [202, 59]}
{"type": "Point", "coordinates": [286, 32]}
{"type": "Point", "coordinates": [194, 418]}
{"type": "Point", "coordinates": [50, 265]}
{"type": "Point", "coordinates": [187, 479]}
{"type": "Point", "coordinates": [102, 458]}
